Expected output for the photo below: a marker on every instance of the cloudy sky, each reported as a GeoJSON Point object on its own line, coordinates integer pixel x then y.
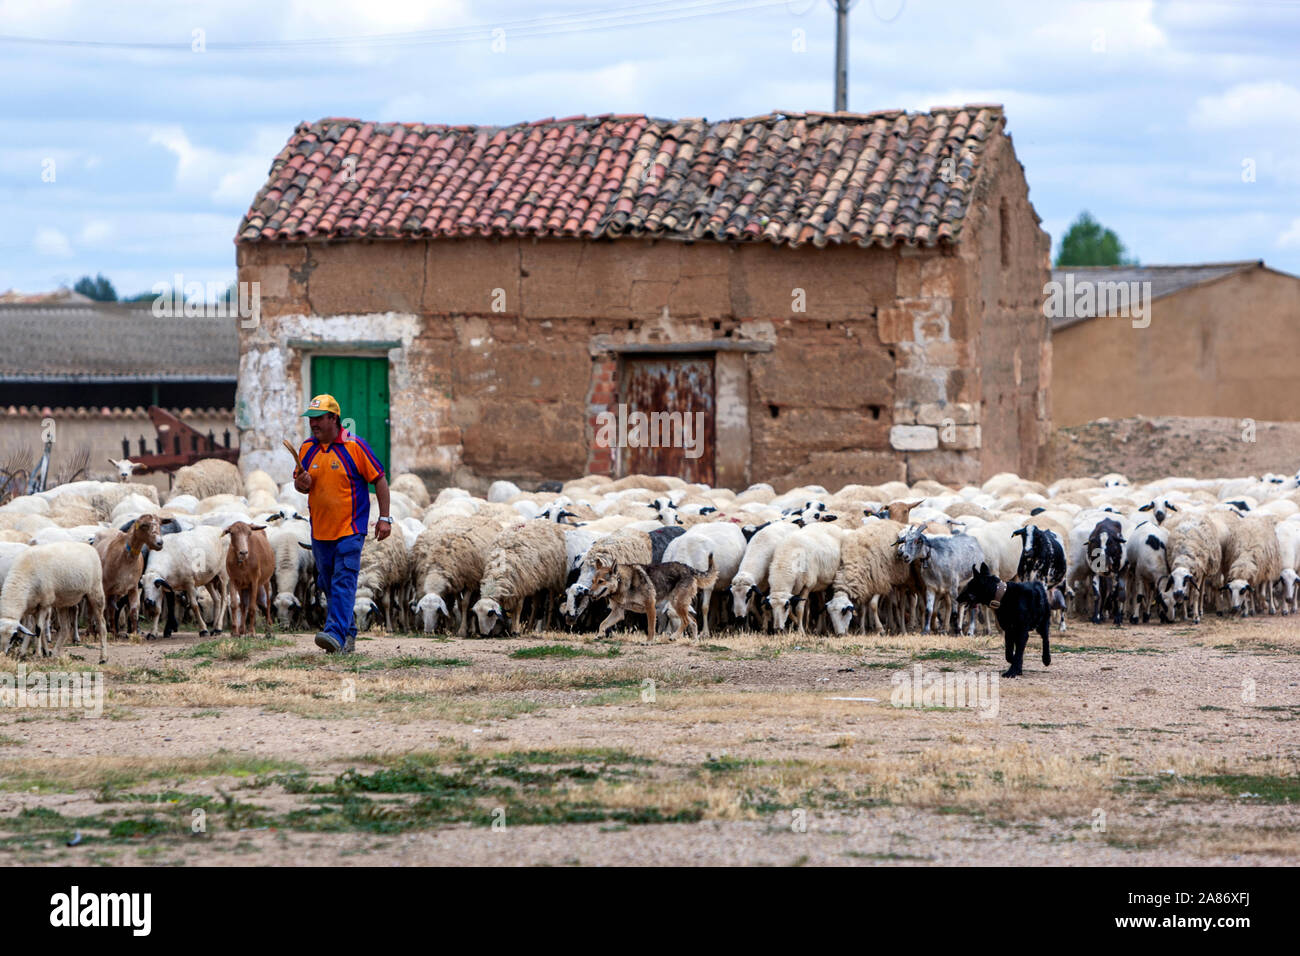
{"type": "Point", "coordinates": [1175, 123]}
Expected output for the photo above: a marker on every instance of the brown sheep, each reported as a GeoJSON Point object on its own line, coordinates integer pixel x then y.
{"type": "Point", "coordinates": [250, 564]}
{"type": "Point", "coordinates": [121, 553]}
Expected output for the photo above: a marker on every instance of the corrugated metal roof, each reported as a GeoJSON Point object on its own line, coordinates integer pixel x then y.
{"type": "Point", "coordinates": [111, 342]}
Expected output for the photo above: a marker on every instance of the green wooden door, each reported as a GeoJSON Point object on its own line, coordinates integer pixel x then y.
{"type": "Point", "coordinates": [361, 387]}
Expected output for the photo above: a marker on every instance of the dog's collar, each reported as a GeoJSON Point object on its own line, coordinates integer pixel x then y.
{"type": "Point", "coordinates": [998, 595]}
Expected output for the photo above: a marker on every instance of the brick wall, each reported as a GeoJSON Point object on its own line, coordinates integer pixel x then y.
{"type": "Point", "coordinates": [499, 362]}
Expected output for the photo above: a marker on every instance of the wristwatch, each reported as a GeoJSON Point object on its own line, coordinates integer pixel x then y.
{"type": "Point", "coordinates": [384, 518]}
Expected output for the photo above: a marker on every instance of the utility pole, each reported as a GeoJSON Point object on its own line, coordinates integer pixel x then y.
{"type": "Point", "coordinates": [841, 55]}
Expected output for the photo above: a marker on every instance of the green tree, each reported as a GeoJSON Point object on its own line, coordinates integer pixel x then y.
{"type": "Point", "coordinates": [98, 288]}
{"type": "Point", "coordinates": [1087, 243]}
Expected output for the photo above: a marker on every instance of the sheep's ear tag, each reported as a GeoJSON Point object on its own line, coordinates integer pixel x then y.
{"type": "Point", "coordinates": [128, 549]}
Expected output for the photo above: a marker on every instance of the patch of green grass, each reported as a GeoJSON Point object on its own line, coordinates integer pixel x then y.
{"type": "Point", "coordinates": [150, 675]}
{"type": "Point", "coordinates": [725, 763]}
{"type": "Point", "coordinates": [405, 661]}
{"type": "Point", "coordinates": [228, 648]}
{"type": "Point", "coordinates": [1050, 726]}
{"type": "Point", "coordinates": [620, 695]}
{"type": "Point", "coordinates": [955, 657]}
{"type": "Point", "coordinates": [565, 651]}
{"type": "Point", "coordinates": [424, 790]}
{"type": "Point", "coordinates": [52, 778]}
{"type": "Point", "coordinates": [890, 857]}
{"type": "Point", "coordinates": [1098, 649]}
{"type": "Point", "coordinates": [1262, 789]}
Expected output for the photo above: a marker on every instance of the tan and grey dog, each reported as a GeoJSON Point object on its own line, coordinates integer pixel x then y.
{"type": "Point", "coordinates": [642, 588]}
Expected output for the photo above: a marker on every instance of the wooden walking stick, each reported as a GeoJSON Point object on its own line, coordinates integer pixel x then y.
{"type": "Point", "coordinates": [288, 446]}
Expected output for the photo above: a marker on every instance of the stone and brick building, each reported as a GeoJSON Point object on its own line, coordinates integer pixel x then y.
{"type": "Point", "coordinates": [1219, 340]}
{"type": "Point", "coordinates": [843, 297]}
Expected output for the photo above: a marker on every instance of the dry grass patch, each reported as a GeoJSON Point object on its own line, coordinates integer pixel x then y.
{"type": "Point", "coordinates": [66, 774]}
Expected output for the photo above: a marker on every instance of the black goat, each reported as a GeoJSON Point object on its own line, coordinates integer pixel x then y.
{"type": "Point", "coordinates": [1043, 556]}
{"type": "Point", "coordinates": [1019, 608]}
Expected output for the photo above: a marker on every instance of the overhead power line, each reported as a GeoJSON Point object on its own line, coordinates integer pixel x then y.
{"type": "Point", "coordinates": [628, 15]}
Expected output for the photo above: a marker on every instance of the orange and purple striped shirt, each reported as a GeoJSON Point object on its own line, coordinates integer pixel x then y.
{"type": "Point", "coordinates": [341, 475]}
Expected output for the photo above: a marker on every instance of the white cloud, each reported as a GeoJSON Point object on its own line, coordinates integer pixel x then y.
{"type": "Point", "coordinates": [1290, 239]}
{"type": "Point", "coordinates": [95, 231]}
{"type": "Point", "coordinates": [226, 178]}
{"type": "Point", "coordinates": [1247, 106]}
{"type": "Point", "coordinates": [51, 242]}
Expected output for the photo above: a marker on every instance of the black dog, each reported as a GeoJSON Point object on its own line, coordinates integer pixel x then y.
{"type": "Point", "coordinates": [1019, 609]}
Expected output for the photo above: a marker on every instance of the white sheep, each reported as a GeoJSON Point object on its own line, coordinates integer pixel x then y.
{"type": "Point", "coordinates": [1145, 559]}
{"type": "Point", "coordinates": [385, 572]}
{"type": "Point", "coordinates": [189, 560]}
{"type": "Point", "coordinates": [295, 567]}
{"type": "Point", "coordinates": [750, 579]}
{"type": "Point", "coordinates": [1288, 541]}
{"type": "Point", "coordinates": [289, 496]}
{"type": "Point", "coordinates": [525, 560]}
{"type": "Point", "coordinates": [47, 578]}
{"type": "Point", "coordinates": [206, 477]}
{"type": "Point", "coordinates": [804, 563]}
{"type": "Point", "coordinates": [502, 491]}
{"type": "Point", "coordinates": [259, 480]}
{"type": "Point", "coordinates": [124, 467]}
{"type": "Point", "coordinates": [26, 505]}
{"type": "Point", "coordinates": [413, 487]}
{"type": "Point", "coordinates": [1193, 559]}
{"type": "Point", "coordinates": [130, 508]}
{"type": "Point", "coordinates": [449, 560]}
{"type": "Point", "coordinates": [188, 503]}
{"type": "Point", "coordinates": [1001, 551]}
{"type": "Point", "coordinates": [870, 569]}
{"type": "Point", "coordinates": [83, 533]}
{"type": "Point", "coordinates": [1252, 562]}
{"type": "Point", "coordinates": [9, 551]}
{"type": "Point", "coordinates": [722, 541]}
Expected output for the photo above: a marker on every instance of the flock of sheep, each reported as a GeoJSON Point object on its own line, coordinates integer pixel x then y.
{"type": "Point", "coordinates": [226, 547]}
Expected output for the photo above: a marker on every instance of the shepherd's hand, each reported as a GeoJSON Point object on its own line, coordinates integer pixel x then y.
{"type": "Point", "coordinates": [301, 480]}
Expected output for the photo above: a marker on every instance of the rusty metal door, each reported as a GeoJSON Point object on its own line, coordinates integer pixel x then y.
{"type": "Point", "coordinates": [669, 413]}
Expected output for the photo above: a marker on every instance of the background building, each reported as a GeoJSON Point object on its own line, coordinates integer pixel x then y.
{"type": "Point", "coordinates": [846, 297]}
{"type": "Point", "coordinates": [1223, 340]}
{"type": "Point", "coordinates": [93, 368]}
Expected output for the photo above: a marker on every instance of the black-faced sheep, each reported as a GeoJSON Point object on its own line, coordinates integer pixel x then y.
{"type": "Point", "coordinates": [870, 568]}
{"type": "Point", "coordinates": [449, 560]}
{"type": "Point", "coordinates": [525, 561]}
{"type": "Point", "coordinates": [1252, 562]}
{"type": "Point", "coordinates": [1193, 560]}
{"type": "Point", "coordinates": [385, 571]}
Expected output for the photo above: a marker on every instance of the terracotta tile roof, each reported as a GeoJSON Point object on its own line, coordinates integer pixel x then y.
{"type": "Point", "coordinates": [115, 342]}
{"type": "Point", "coordinates": [787, 178]}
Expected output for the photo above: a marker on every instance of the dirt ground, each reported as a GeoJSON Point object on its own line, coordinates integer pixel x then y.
{"type": "Point", "coordinates": [1146, 745]}
{"type": "Point", "coordinates": [1145, 449]}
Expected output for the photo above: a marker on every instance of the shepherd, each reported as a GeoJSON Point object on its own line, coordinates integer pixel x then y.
{"type": "Point", "coordinates": [335, 470]}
